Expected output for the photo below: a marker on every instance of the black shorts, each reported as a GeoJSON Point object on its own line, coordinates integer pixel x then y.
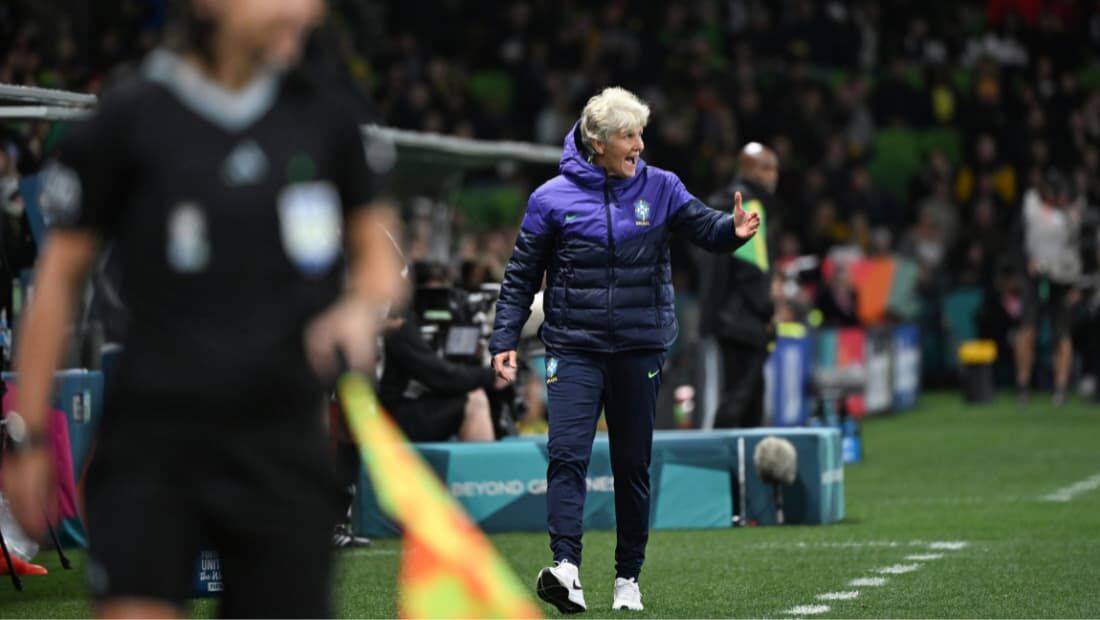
{"type": "Point", "coordinates": [1053, 305]}
{"type": "Point", "coordinates": [158, 492]}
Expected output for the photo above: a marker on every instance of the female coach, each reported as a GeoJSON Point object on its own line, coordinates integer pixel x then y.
{"type": "Point", "coordinates": [227, 182]}
{"type": "Point", "coordinates": [600, 231]}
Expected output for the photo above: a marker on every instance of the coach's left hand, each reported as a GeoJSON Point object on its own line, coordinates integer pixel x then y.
{"type": "Point", "coordinates": [505, 366]}
{"type": "Point", "coordinates": [745, 224]}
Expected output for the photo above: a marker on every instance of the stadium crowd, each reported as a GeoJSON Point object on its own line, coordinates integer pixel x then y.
{"type": "Point", "coordinates": [906, 128]}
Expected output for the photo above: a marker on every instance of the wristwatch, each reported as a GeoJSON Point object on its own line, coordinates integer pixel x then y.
{"type": "Point", "coordinates": [20, 438]}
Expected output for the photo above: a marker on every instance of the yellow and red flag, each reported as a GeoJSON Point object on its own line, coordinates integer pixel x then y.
{"type": "Point", "coordinates": [449, 568]}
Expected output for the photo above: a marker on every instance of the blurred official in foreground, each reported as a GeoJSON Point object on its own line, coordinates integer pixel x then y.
{"type": "Point", "coordinates": [227, 182]}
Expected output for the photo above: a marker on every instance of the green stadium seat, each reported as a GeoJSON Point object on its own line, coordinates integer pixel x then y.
{"type": "Point", "coordinates": [486, 207]}
{"type": "Point", "coordinates": [945, 139]}
{"type": "Point", "coordinates": [895, 159]}
{"type": "Point", "coordinates": [494, 88]}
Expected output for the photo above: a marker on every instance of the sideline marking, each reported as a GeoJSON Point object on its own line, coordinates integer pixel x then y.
{"type": "Point", "coordinates": [838, 596]}
{"type": "Point", "coordinates": [873, 582]}
{"type": "Point", "coordinates": [808, 610]}
{"type": "Point", "coordinates": [1066, 494]}
{"type": "Point", "coordinates": [860, 544]}
{"type": "Point", "coordinates": [949, 546]}
{"type": "Point", "coordinates": [923, 557]}
{"type": "Point", "coordinates": [894, 569]}
{"type": "Point", "coordinates": [955, 500]}
{"type": "Point", "coordinates": [898, 569]}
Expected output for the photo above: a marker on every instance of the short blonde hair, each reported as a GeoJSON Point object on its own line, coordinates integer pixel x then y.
{"type": "Point", "coordinates": [612, 110]}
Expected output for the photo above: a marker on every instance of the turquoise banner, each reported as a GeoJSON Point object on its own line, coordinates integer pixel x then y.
{"type": "Point", "coordinates": [694, 477]}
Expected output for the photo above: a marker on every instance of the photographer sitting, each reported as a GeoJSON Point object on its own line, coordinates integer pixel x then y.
{"type": "Point", "coordinates": [432, 398]}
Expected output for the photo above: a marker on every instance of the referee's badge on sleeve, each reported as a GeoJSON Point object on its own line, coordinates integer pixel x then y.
{"type": "Point", "coordinates": [60, 196]}
{"type": "Point", "coordinates": [310, 223]}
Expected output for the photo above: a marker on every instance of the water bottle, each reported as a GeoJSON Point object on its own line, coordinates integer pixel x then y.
{"type": "Point", "coordinates": [683, 406]}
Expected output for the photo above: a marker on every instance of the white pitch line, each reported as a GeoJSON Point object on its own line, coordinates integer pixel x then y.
{"type": "Point", "coordinates": [872, 582]}
{"type": "Point", "coordinates": [807, 610]}
{"type": "Point", "coordinates": [1066, 494]}
{"type": "Point", "coordinates": [953, 545]}
{"type": "Point", "coordinates": [847, 544]}
{"type": "Point", "coordinates": [898, 569]}
{"type": "Point", "coordinates": [838, 596]}
{"type": "Point", "coordinates": [894, 569]}
{"type": "Point", "coordinates": [923, 557]}
{"type": "Point", "coordinates": [963, 500]}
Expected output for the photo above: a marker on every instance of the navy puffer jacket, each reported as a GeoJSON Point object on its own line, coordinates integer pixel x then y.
{"type": "Point", "coordinates": [603, 244]}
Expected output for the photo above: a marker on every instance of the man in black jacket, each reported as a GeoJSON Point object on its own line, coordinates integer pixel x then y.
{"type": "Point", "coordinates": [432, 398]}
{"type": "Point", "coordinates": [736, 300]}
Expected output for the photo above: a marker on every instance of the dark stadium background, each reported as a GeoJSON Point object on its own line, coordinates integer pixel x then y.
{"type": "Point", "coordinates": [906, 128]}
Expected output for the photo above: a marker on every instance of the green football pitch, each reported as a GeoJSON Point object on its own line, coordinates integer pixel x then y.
{"type": "Point", "coordinates": [956, 511]}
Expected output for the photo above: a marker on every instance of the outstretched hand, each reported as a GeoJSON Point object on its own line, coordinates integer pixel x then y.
{"type": "Point", "coordinates": [745, 224]}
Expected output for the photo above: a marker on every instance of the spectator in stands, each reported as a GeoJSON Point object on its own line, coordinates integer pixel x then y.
{"type": "Point", "coordinates": [895, 98]}
{"type": "Point", "coordinates": [1052, 221]}
{"type": "Point", "coordinates": [986, 174]}
{"type": "Point", "coordinates": [430, 397]}
{"type": "Point", "coordinates": [836, 166]}
{"type": "Point", "coordinates": [877, 208]}
{"type": "Point", "coordinates": [737, 310]}
{"type": "Point", "coordinates": [926, 244]}
{"type": "Point", "coordinates": [599, 231]}
{"type": "Point", "coordinates": [942, 210]}
{"type": "Point", "coordinates": [826, 229]}
{"type": "Point", "coordinates": [944, 99]}
{"type": "Point", "coordinates": [856, 116]}
{"type": "Point", "coordinates": [979, 249]}
{"type": "Point", "coordinates": [837, 300]}
{"type": "Point", "coordinates": [935, 172]}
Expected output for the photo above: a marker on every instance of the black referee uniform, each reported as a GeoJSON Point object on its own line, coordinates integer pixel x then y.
{"type": "Point", "coordinates": [226, 209]}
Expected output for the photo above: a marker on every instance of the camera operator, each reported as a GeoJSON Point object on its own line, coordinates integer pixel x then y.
{"type": "Point", "coordinates": [430, 397]}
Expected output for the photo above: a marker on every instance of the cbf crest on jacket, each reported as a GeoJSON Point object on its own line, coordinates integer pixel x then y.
{"type": "Point", "coordinates": [603, 244]}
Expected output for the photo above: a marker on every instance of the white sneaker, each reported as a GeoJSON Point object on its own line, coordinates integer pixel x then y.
{"type": "Point", "coordinates": [627, 595]}
{"type": "Point", "coordinates": [560, 585]}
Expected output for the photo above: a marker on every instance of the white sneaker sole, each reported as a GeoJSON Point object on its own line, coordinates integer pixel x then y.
{"type": "Point", "coordinates": [554, 592]}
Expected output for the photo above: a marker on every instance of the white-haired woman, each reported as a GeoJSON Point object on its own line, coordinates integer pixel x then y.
{"type": "Point", "coordinates": [600, 232]}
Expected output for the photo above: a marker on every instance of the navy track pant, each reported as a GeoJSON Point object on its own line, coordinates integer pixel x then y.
{"type": "Point", "coordinates": [624, 386]}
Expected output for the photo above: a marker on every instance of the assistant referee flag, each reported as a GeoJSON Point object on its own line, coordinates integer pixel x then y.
{"type": "Point", "coordinates": [449, 569]}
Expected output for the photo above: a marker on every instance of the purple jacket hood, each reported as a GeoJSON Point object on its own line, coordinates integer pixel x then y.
{"type": "Point", "coordinates": [576, 167]}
